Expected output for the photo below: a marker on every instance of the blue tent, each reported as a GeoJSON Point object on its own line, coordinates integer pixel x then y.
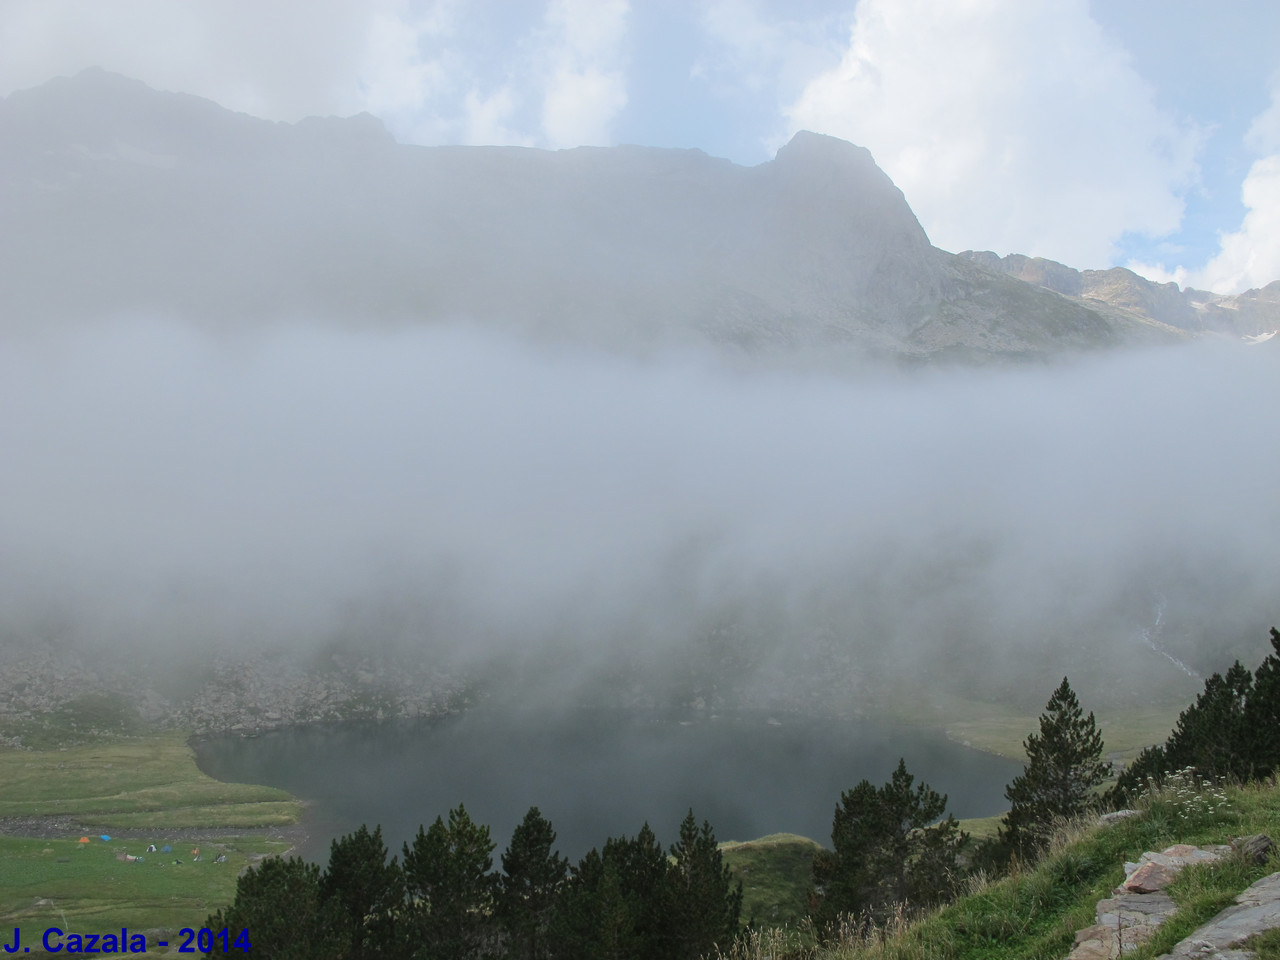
{"type": "Point", "coordinates": [166, 849]}
{"type": "Point", "coordinates": [105, 837]}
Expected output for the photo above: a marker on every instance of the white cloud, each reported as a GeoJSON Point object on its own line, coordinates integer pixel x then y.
{"type": "Point", "coordinates": [488, 119]}
{"type": "Point", "coordinates": [1159, 273]}
{"type": "Point", "coordinates": [762, 55]}
{"type": "Point", "coordinates": [435, 71]}
{"type": "Point", "coordinates": [1011, 126]}
{"type": "Point", "coordinates": [1250, 257]}
{"type": "Point", "coordinates": [1264, 132]}
{"type": "Point", "coordinates": [399, 78]}
{"type": "Point", "coordinates": [262, 58]}
{"type": "Point", "coordinates": [585, 90]}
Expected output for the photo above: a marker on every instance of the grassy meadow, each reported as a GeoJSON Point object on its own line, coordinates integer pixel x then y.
{"type": "Point", "coordinates": [134, 784]}
{"type": "Point", "coordinates": [139, 791]}
{"type": "Point", "coordinates": [90, 888]}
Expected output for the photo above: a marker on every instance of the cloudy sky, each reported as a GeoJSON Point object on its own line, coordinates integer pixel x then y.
{"type": "Point", "coordinates": [1133, 132]}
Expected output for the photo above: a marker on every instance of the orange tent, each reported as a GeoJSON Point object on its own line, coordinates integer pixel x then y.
{"type": "Point", "coordinates": [83, 840]}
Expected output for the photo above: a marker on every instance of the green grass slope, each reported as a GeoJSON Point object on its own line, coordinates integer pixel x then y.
{"type": "Point", "coordinates": [149, 790]}
{"type": "Point", "coordinates": [1034, 913]}
{"type": "Point", "coordinates": [776, 872]}
{"type": "Point", "coordinates": [87, 888]}
{"type": "Point", "coordinates": [136, 784]}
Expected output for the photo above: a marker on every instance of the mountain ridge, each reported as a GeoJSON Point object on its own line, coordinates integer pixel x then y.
{"type": "Point", "coordinates": [1252, 312]}
{"type": "Point", "coordinates": [123, 199]}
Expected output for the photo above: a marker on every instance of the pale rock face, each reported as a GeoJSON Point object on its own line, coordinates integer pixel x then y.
{"type": "Point", "coordinates": [1256, 911]}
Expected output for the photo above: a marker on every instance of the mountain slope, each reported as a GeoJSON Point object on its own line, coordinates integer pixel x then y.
{"type": "Point", "coordinates": [122, 199]}
{"type": "Point", "coordinates": [1125, 293]}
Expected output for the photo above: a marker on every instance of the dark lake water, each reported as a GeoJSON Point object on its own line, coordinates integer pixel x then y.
{"type": "Point", "coordinates": [598, 774]}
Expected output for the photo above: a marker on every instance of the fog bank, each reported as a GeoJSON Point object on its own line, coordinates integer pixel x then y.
{"type": "Point", "coordinates": [486, 500]}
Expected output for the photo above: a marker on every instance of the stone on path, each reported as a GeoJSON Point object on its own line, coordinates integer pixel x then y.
{"type": "Point", "coordinates": [1256, 911]}
{"type": "Point", "coordinates": [1129, 918]}
{"type": "Point", "coordinates": [1150, 877]}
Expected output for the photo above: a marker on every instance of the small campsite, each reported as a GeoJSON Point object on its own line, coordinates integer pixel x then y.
{"type": "Point", "coordinates": [57, 805]}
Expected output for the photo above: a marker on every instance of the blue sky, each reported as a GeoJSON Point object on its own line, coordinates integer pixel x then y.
{"type": "Point", "coordinates": [1127, 132]}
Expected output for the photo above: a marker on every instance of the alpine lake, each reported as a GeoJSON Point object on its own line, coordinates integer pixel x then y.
{"type": "Point", "coordinates": [597, 773]}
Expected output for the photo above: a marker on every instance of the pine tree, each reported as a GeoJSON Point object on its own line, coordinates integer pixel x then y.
{"type": "Point", "coordinates": [595, 919]}
{"type": "Point", "coordinates": [1262, 714]}
{"type": "Point", "coordinates": [1064, 764]}
{"type": "Point", "coordinates": [885, 850]}
{"type": "Point", "coordinates": [450, 886]}
{"type": "Point", "coordinates": [366, 892]}
{"type": "Point", "coordinates": [705, 901]}
{"type": "Point", "coordinates": [1232, 730]}
{"type": "Point", "coordinates": [641, 868]}
{"type": "Point", "coordinates": [278, 905]}
{"type": "Point", "coordinates": [533, 876]}
{"type": "Point", "coordinates": [1212, 735]}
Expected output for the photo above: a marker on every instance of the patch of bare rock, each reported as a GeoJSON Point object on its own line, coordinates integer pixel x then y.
{"type": "Point", "coordinates": [1256, 911]}
{"type": "Point", "coordinates": [1137, 907]}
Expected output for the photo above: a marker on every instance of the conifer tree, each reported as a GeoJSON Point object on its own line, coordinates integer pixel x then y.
{"type": "Point", "coordinates": [1262, 714]}
{"type": "Point", "coordinates": [886, 850]}
{"type": "Point", "coordinates": [1213, 735]}
{"type": "Point", "coordinates": [705, 901]}
{"type": "Point", "coordinates": [1064, 764]}
{"type": "Point", "coordinates": [533, 875]}
{"type": "Point", "coordinates": [641, 868]}
{"type": "Point", "coordinates": [1232, 730]}
{"type": "Point", "coordinates": [595, 919]}
{"type": "Point", "coordinates": [448, 877]}
{"type": "Point", "coordinates": [366, 891]}
{"type": "Point", "coordinates": [279, 908]}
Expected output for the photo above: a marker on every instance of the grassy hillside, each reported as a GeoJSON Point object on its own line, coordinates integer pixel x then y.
{"type": "Point", "coordinates": [1035, 913]}
{"type": "Point", "coordinates": [776, 872]}
{"type": "Point", "coordinates": [137, 784]}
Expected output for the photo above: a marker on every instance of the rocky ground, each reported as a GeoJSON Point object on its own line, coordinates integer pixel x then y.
{"type": "Point", "coordinates": [41, 689]}
{"type": "Point", "coordinates": [1127, 919]}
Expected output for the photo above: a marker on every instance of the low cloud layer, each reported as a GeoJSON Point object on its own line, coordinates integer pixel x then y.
{"type": "Point", "coordinates": [461, 493]}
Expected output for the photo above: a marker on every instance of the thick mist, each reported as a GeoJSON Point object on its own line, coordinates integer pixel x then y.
{"type": "Point", "coordinates": [555, 515]}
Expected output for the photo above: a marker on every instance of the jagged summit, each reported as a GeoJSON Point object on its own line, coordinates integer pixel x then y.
{"type": "Point", "coordinates": [168, 203]}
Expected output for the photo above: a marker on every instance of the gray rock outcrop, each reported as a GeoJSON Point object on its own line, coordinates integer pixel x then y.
{"type": "Point", "coordinates": [1257, 910]}
{"type": "Point", "coordinates": [1137, 907]}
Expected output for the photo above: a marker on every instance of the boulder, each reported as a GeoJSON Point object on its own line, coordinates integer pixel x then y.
{"type": "Point", "coordinates": [1150, 877]}
{"type": "Point", "coordinates": [1254, 849]}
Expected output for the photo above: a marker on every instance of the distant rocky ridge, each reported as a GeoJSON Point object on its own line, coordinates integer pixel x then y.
{"type": "Point", "coordinates": [90, 697]}
{"type": "Point", "coordinates": [122, 200]}
{"type": "Point", "coordinates": [1124, 292]}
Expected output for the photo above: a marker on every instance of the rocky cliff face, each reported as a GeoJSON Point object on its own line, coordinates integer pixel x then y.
{"type": "Point", "coordinates": [121, 199]}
